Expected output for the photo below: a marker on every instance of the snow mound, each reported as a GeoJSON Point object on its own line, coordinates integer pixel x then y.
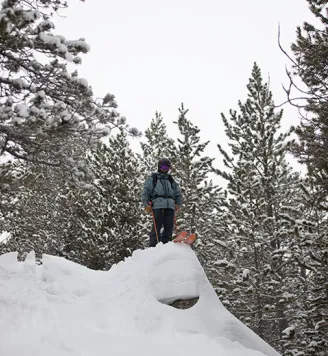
{"type": "Point", "coordinates": [61, 308]}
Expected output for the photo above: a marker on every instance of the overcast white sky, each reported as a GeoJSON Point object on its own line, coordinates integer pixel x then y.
{"type": "Point", "coordinates": [153, 55]}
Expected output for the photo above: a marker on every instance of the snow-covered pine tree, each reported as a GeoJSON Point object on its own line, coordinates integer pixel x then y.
{"type": "Point", "coordinates": [39, 97]}
{"type": "Point", "coordinates": [39, 209]}
{"type": "Point", "coordinates": [43, 106]}
{"type": "Point", "coordinates": [309, 253]}
{"type": "Point", "coordinates": [259, 182]}
{"type": "Point", "coordinates": [309, 66]}
{"type": "Point", "coordinates": [202, 199]}
{"type": "Point", "coordinates": [157, 145]}
{"type": "Point", "coordinates": [109, 214]}
{"type": "Point", "coordinates": [310, 69]}
{"type": "Point", "coordinates": [10, 174]}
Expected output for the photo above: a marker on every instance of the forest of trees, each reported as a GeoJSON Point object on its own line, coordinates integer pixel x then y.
{"type": "Point", "coordinates": [71, 185]}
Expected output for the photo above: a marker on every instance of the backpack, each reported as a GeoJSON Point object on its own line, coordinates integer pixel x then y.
{"type": "Point", "coordinates": [154, 177]}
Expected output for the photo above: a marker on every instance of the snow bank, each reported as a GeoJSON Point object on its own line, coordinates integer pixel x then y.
{"type": "Point", "coordinates": [61, 308]}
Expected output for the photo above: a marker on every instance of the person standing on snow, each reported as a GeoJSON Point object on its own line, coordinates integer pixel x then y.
{"type": "Point", "coordinates": [161, 197]}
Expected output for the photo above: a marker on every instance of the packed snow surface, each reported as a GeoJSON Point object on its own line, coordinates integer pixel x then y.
{"type": "Point", "coordinates": [61, 309]}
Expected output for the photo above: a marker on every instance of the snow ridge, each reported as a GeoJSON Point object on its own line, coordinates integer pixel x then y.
{"type": "Point", "coordinates": [61, 308]}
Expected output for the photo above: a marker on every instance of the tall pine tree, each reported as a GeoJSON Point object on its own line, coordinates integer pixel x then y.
{"type": "Point", "coordinates": [109, 214]}
{"type": "Point", "coordinates": [157, 145]}
{"type": "Point", "coordinates": [310, 68]}
{"type": "Point", "coordinates": [202, 199]}
{"type": "Point", "coordinates": [309, 253]}
{"type": "Point", "coordinates": [39, 210]}
{"type": "Point", "coordinates": [259, 183]}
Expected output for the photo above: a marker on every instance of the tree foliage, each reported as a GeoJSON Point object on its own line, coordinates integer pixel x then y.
{"type": "Point", "coordinates": [310, 52]}
{"type": "Point", "coordinates": [108, 215]}
{"type": "Point", "coordinates": [201, 197]}
{"type": "Point", "coordinates": [260, 190]}
{"type": "Point", "coordinates": [40, 99]}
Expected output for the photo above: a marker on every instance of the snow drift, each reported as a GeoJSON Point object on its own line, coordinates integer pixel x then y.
{"type": "Point", "coordinates": [61, 308]}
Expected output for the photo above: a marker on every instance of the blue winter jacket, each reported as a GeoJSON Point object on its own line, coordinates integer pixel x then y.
{"type": "Point", "coordinates": [164, 196]}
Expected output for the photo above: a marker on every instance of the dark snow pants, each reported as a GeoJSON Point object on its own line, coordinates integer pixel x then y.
{"type": "Point", "coordinates": [164, 219]}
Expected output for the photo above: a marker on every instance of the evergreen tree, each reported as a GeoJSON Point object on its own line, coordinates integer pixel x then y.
{"type": "Point", "coordinates": [157, 145]}
{"type": "Point", "coordinates": [43, 108]}
{"type": "Point", "coordinates": [309, 253]}
{"type": "Point", "coordinates": [10, 174]}
{"type": "Point", "coordinates": [39, 210]}
{"type": "Point", "coordinates": [310, 51]}
{"type": "Point", "coordinates": [39, 98]}
{"type": "Point", "coordinates": [109, 214]}
{"type": "Point", "coordinates": [259, 183]}
{"type": "Point", "coordinates": [201, 197]}
{"type": "Point", "coordinates": [309, 66]}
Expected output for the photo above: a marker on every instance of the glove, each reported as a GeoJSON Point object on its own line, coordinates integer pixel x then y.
{"type": "Point", "coordinates": [148, 209]}
{"type": "Point", "coordinates": [177, 207]}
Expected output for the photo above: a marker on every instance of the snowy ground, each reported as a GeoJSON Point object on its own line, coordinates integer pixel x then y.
{"type": "Point", "coordinates": [64, 309]}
